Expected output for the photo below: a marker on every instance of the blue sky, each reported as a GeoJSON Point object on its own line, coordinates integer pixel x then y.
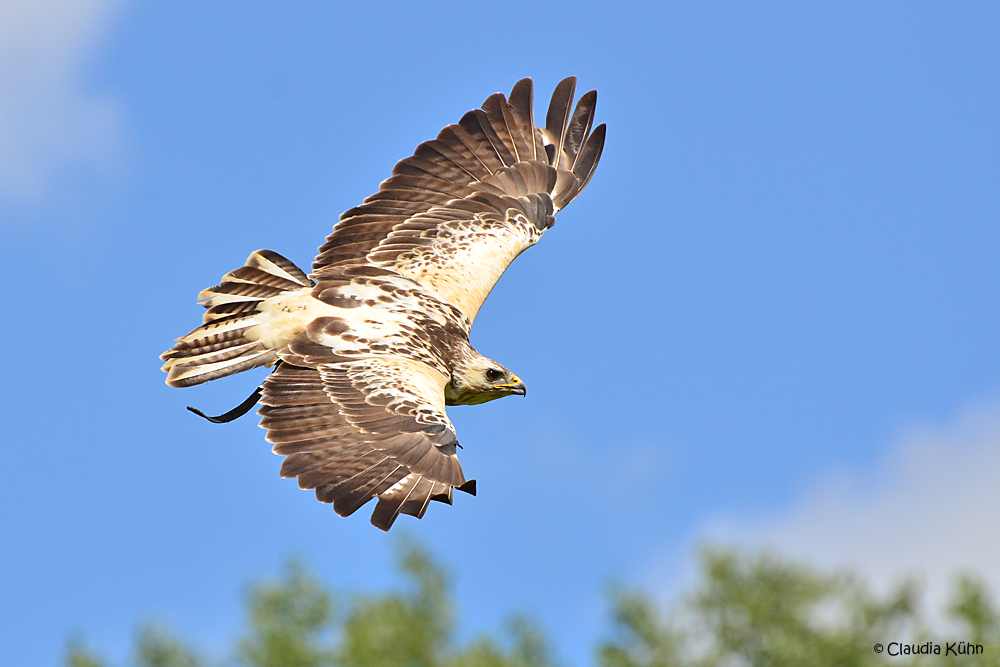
{"type": "Point", "coordinates": [773, 314]}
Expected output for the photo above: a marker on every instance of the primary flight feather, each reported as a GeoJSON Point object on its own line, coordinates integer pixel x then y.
{"type": "Point", "coordinates": [372, 345]}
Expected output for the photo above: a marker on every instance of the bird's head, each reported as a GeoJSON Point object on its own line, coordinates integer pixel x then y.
{"type": "Point", "coordinates": [481, 380]}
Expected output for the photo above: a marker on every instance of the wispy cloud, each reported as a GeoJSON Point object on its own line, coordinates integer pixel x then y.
{"type": "Point", "coordinates": [51, 121]}
{"type": "Point", "coordinates": [931, 509]}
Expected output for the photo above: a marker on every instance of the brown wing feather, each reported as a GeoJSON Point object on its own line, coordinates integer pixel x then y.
{"type": "Point", "coordinates": [355, 430]}
{"type": "Point", "coordinates": [469, 157]}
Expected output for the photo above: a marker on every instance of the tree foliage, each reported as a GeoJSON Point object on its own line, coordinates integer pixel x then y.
{"type": "Point", "coordinates": [760, 611]}
{"type": "Point", "coordinates": [294, 622]}
{"type": "Point", "coordinates": [752, 610]}
{"type": "Point", "coordinates": [289, 621]}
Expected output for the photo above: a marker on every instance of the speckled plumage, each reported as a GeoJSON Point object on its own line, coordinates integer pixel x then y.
{"type": "Point", "coordinates": [374, 343]}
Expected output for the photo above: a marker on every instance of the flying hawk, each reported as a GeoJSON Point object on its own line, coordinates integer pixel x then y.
{"type": "Point", "coordinates": [371, 346]}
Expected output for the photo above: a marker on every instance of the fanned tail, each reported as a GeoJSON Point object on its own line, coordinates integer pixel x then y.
{"type": "Point", "coordinates": [225, 343]}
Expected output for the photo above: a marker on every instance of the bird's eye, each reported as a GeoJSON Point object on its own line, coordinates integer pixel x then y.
{"type": "Point", "coordinates": [493, 374]}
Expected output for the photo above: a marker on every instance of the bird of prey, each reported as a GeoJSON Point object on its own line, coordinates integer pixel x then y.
{"type": "Point", "coordinates": [370, 347]}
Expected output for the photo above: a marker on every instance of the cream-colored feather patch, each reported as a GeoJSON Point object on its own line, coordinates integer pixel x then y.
{"type": "Point", "coordinates": [467, 257]}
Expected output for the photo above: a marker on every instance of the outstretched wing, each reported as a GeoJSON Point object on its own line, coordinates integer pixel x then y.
{"type": "Point", "coordinates": [456, 214]}
{"type": "Point", "coordinates": [354, 429]}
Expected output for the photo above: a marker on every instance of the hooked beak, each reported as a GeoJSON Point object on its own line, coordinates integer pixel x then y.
{"type": "Point", "coordinates": [514, 387]}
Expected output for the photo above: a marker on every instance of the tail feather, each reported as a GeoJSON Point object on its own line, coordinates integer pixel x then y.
{"type": "Point", "coordinates": [276, 265]}
{"type": "Point", "coordinates": [189, 374]}
{"type": "Point", "coordinates": [222, 326]}
{"type": "Point", "coordinates": [221, 346]}
{"type": "Point", "coordinates": [237, 291]}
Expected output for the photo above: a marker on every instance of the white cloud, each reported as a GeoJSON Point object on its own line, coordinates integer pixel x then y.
{"type": "Point", "coordinates": [932, 509]}
{"type": "Point", "coordinates": [50, 121]}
